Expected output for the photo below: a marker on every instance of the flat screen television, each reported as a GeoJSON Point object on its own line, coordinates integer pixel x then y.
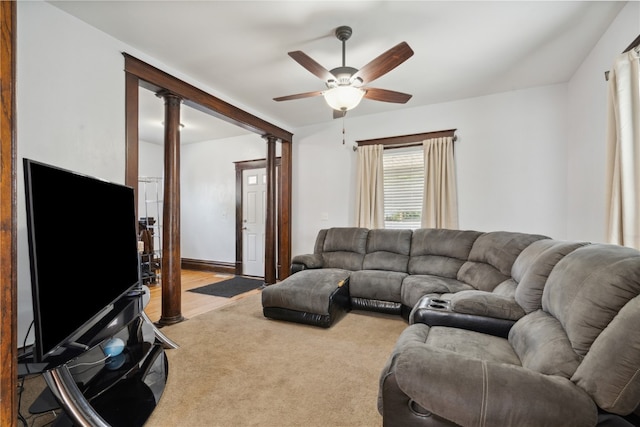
{"type": "Point", "coordinates": [83, 256]}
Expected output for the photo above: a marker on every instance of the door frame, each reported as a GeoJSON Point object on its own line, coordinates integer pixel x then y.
{"type": "Point", "coordinates": [241, 166]}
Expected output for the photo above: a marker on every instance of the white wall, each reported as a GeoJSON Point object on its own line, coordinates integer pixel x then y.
{"type": "Point", "coordinates": [510, 160]}
{"type": "Point", "coordinates": [70, 113]}
{"type": "Point", "coordinates": [586, 168]}
{"type": "Point", "coordinates": [208, 195]}
{"type": "Point", "coordinates": [150, 159]}
{"type": "Point", "coordinates": [207, 192]}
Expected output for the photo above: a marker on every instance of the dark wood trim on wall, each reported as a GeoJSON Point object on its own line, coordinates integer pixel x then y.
{"type": "Point", "coordinates": [284, 212]}
{"type": "Point", "coordinates": [131, 128]}
{"type": "Point", "coordinates": [204, 265]}
{"type": "Point", "coordinates": [8, 227]}
{"type": "Point", "coordinates": [270, 248]}
{"type": "Point", "coordinates": [156, 80]}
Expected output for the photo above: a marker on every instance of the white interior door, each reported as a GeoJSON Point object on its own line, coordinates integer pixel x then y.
{"type": "Point", "coordinates": [254, 185]}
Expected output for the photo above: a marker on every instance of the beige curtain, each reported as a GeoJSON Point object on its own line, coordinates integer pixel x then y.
{"type": "Point", "coordinates": [623, 151]}
{"type": "Point", "coordinates": [440, 201]}
{"type": "Point", "coordinates": [370, 187]}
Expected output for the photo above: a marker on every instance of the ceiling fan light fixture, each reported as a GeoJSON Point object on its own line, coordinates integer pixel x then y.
{"type": "Point", "coordinates": [343, 98]}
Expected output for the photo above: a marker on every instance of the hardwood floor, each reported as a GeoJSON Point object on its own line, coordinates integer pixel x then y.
{"type": "Point", "coordinates": [193, 303]}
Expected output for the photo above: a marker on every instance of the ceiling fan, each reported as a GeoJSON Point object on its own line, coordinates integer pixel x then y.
{"type": "Point", "coordinates": [346, 86]}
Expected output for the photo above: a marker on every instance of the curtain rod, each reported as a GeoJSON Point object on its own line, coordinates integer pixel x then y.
{"type": "Point", "coordinates": [634, 44]}
{"type": "Point", "coordinates": [407, 140]}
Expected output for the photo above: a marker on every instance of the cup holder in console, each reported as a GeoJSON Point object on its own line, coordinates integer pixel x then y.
{"type": "Point", "coordinates": [438, 304]}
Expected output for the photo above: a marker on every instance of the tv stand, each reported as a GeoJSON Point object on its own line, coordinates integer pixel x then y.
{"type": "Point", "coordinates": [98, 391]}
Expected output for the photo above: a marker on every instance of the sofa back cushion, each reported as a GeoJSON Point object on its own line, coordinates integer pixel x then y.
{"type": "Point", "coordinates": [387, 250]}
{"type": "Point", "coordinates": [533, 266]}
{"type": "Point", "coordinates": [588, 287]}
{"type": "Point", "coordinates": [440, 252]}
{"type": "Point", "coordinates": [591, 296]}
{"type": "Point", "coordinates": [319, 246]}
{"type": "Point", "coordinates": [345, 247]}
{"type": "Point", "coordinates": [492, 256]}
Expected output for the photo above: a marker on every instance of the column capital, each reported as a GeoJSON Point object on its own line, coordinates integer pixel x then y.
{"type": "Point", "coordinates": [170, 98]}
{"type": "Point", "coordinates": [270, 138]}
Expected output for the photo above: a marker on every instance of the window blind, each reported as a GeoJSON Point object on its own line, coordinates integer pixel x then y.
{"type": "Point", "coordinates": [403, 187]}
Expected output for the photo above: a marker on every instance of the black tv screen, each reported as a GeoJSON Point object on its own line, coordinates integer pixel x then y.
{"type": "Point", "coordinates": [83, 252]}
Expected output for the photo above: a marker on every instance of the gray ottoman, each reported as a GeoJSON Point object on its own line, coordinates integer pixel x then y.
{"type": "Point", "coordinates": [314, 297]}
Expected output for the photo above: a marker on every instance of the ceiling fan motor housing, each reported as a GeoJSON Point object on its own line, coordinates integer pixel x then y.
{"type": "Point", "coordinates": [343, 77]}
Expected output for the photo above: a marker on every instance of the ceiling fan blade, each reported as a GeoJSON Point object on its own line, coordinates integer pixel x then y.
{"type": "Point", "coordinates": [384, 63]}
{"type": "Point", "coordinates": [307, 62]}
{"type": "Point", "coordinates": [299, 96]}
{"type": "Point", "coordinates": [386, 95]}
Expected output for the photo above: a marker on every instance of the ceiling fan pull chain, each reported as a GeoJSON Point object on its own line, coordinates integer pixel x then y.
{"type": "Point", "coordinates": [343, 128]}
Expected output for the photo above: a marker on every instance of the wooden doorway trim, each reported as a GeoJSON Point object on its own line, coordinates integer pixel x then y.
{"type": "Point", "coordinates": [140, 74]}
{"type": "Point", "coordinates": [241, 166]}
{"type": "Point", "coordinates": [8, 228]}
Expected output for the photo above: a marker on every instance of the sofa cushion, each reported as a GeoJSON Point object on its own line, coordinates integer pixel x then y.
{"type": "Point", "coordinates": [609, 371]}
{"type": "Point", "coordinates": [387, 250]}
{"type": "Point", "coordinates": [492, 256]}
{"type": "Point", "coordinates": [415, 286]}
{"type": "Point", "coordinates": [470, 344]}
{"type": "Point", "coordinates": [376, 284]}
{"type": "Point", "coordinates": [543, 346]}
{"type": "Point", "coordinates": [318, 248]}
{"type": "Point", "coordinates": [533, 266]}
{"type": "Point", "coordinates": [440, 252]}
{"type": "Point", "coordinates": [588, 287]}
{"type": "Point", "coordinates": [506, 289]}
{"type": "Point", "coordinates": [344, 248]}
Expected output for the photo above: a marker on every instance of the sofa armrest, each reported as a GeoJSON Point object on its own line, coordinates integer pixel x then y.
{"type": "Point", "coordinates": [489, 304]}
{"type": "Point", "coordinates": [306, 262]}
{"type": "Point", "coordinates": [470, 391]}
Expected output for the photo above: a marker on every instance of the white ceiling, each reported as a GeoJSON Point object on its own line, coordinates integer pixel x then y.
{"type": "Point", "coordinates": [238, 50]}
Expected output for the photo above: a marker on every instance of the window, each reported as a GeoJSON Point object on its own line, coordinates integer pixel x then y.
{"type": "Point", "coordinates": [403, 187]}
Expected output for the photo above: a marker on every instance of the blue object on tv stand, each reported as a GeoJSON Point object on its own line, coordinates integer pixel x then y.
{"type": "Point", "coordinates": [113, 347]}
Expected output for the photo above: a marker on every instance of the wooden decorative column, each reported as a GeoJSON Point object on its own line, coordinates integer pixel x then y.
{"type": "Point", "coordinates": [270, 219]}
{"type": "Point", "coordinates": [8, 224]}
{"type": "Point", "coordinates": [171, 279]}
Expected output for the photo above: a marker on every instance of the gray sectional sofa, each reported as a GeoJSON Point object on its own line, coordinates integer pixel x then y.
{"type": "Point", "coordinates": [390, 271]}
{"type": "Point", "coordinates": [504, 328]}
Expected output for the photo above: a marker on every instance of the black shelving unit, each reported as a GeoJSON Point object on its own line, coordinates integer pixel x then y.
{"type": "Point", "coordinates": [150, 229]}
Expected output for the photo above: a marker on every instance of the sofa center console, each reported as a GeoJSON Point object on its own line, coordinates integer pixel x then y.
{"type": "Point", "coordinates": [439, 312]}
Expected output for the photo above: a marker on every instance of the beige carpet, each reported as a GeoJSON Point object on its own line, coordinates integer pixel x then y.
{"type": "Point", "coordinates": [235, 367]}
